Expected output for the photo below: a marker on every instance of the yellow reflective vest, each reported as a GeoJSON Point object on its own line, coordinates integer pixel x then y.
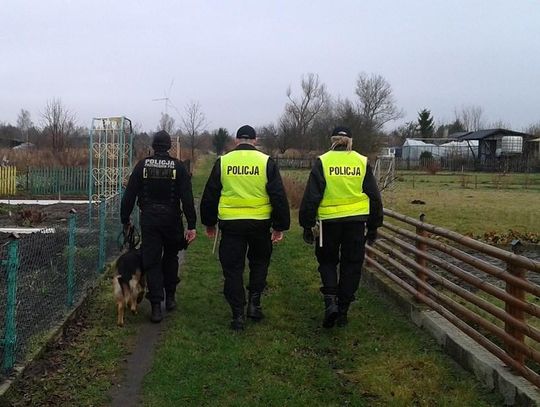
{"type": "Point", "coordinates": [243, 180]}
{"type": "Point", "coordinates": [344, 173]}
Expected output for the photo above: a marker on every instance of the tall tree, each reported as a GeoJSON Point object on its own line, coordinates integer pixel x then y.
{"type": "Point", "coordinates": [58, 123]}
{"type": "Point", "coordinates": [470, 117]}
{"type": "Point", "coordinates": [425, 123]}
{"type": "Point", "coordinates": [194, 121]}
{"type": "Point", "coordinates": [167, 123]}
{"type": "Point", "coordinates": [24, 123]}
{"type": "Point", "coordinates": [303, 110]}
{"type": "Point", "coordinates": [366, 137]}
{"type": "Point", "coordinates": [402, 133]}
{"type": "Point", "coordinates": [376, 101]}
{"type": "Point", "coordinates": [220, 139]}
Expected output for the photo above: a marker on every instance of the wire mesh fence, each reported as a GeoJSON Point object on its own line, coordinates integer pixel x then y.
{"type": "Point", "coordinates": [43, 275]}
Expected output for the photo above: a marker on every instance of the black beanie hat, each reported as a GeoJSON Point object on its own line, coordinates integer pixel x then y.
{"type": "Point", "coordinates": [342, 131]}
{"type": "Point", "coordinates": [161, 141]}
{"type": "Point", "coordinates": [246, 132]}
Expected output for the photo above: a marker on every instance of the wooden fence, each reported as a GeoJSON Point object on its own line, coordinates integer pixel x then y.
{"type": "Point", "coordinates": [8, 181]}
{"type": "Point", "coordinates": [295, 163]}
{"type": "Point", "coordinates": [487, 292]}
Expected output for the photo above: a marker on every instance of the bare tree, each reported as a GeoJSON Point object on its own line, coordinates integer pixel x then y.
{"type": "Point", "coordinates": [58, 123]}
{"type": "Point", "coordinates": [193, 122]}
{"type": "Point", "coordinates": [498, 124]}
{"type": "Point", "coordinates": [376, 105]}
{"type": "Point", "coordinates": [303, 111]}
{"type": "Point", "coordinates": [24, 123]}
{"type": "Point", "coordinates": [167, 123]}
{"type": "Point", "coordinates": [533, 129]}
{"type": "Point", "coordinates": [470, 117]}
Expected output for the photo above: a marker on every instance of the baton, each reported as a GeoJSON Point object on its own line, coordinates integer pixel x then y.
{"type": "Point", "coordinates": [320, 234]}
{"type": "Point", "coordinates": [216, 238]}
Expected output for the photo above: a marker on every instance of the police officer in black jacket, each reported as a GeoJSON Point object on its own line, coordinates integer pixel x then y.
{"type": "Point", "coordinates": [162, 187]}
{"type": "Point", "coordinates": [342, 195]}
{"type": "Point", "coordinates": [245, 195]}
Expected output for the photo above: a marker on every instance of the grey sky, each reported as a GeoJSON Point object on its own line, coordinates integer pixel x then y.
{"type": "Point", "coordinates": [107, 58]}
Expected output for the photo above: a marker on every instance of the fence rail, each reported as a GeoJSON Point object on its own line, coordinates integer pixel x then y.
{"type": "Point", "coordinates": [295, 163]}
{"type": "Point", "coordinates": [8, 181]}
{"type": "Point", "coordinates": [485, 291]}
{"type": "Point", "coordinates": [458, 163]}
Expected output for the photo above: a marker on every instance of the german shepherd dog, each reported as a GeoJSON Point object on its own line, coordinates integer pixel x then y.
{"type": "Point", "coordinates": [128, 282]}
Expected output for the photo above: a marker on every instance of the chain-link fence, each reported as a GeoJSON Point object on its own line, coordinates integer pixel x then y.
{"type": "Point", "coordinates": [44, 274]}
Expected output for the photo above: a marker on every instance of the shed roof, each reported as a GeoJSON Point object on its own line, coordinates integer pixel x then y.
{"type": "Point", "coordinates": [484, 134]}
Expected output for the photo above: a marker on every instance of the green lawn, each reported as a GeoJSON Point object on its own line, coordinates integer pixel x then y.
{"type": "Point", "coordinates": [380, 359]}
{"type": "Point", "coordinates": [288, 359]}
{"type": "Point", "coordinates": [467, 210]}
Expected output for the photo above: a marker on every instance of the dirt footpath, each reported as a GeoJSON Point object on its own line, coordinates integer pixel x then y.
{"type": "Point", "coordinates": [138, 363]}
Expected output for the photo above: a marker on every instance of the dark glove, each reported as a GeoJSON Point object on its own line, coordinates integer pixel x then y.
{"type": "Point", "coordinates": [371, 236]}
{"type": "Point", "coordinates": [308, 236]}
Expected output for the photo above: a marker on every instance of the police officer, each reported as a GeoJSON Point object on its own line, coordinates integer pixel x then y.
{"type": "Point", "coordinates": [162, 187]}
{"type": "Point", "coordinates": [245, 194]}
{"type": "Point", "coordinates": [341, 194]}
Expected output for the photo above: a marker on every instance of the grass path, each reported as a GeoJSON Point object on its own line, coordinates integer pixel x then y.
{"type": "Point", "coordinates": [288, 359]}
{"type": "Point", "coordinates": [380, 359]}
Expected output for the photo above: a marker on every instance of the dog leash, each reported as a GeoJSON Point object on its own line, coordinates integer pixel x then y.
{"type": "Point", "coordinates": [130, 239]}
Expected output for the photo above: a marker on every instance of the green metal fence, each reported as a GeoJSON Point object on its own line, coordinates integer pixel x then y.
{"type": "Point", "coordinates": [57, 180]}
{"type": "Point", "coordinates": [44, 274]}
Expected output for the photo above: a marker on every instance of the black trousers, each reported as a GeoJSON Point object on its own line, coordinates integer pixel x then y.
{"type": "Point", "coordinates": [160, 246]}
{"type": "Point", "coordinates": [343, 244]}
{"type": "Point", "coordinates": [232, 255]}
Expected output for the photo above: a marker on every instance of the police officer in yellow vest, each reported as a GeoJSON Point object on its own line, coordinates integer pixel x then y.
{"type": "Point", "coordinates": [343, 197]}
{"type": "Point", "coordinates": [245, 195]}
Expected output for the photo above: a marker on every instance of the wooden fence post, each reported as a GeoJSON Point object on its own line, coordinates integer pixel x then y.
{"type": "Point", "coordinates": [518, 293]}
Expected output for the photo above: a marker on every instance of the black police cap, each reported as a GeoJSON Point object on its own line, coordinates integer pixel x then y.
{"type": "Point", "coordinates": [161, 141]}
{"type": "Point", "coordinates": [246, 132]}
{"type": "Point", "coordinates": [342, 131]}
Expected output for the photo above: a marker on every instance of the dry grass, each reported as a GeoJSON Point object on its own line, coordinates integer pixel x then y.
{"type": "Point", "coordinates": [295, 190]}
{"type": "Point", "coordinates": [472, 212]}
{"type": "Point", "coordinates": [72, 157]}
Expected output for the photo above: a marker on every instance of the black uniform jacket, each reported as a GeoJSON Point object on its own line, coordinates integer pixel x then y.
{"type": "Point", "coordinates": [315, 190]}
{"type": "Point", "coordinates": [280, 218]}
{"type": "Point", "coordinates": [159, 213]}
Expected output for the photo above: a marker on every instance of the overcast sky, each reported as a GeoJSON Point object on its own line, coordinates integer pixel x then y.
{"type": "Point", "coordinates": [110, 58]}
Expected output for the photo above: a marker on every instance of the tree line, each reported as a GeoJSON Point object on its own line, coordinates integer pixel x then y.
{"type": "Point", "coordinates": [309, 114]}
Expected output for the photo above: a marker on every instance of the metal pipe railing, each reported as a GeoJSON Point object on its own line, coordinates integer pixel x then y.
{"type": "Point", "coordinates": [468, 259]}
{"type": "Point", "coordinates": [500, 254]}
{"type": "Point", "coordinates": [465, 312]}
{"type": "Point", "coordinates": [526, 372]}
{"type": "Point", "coordinates": [412, 263]}
{"type": "Point", "coordinates": [477, 282]}
{"type": "Point", "coordinates": [463, 293]}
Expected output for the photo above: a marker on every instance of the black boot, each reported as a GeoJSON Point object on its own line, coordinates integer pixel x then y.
{"type": "Point", "coordinates": [331, 310]}
{"type": "Point", "coordinates": [254, 309]}
{"type": "Point", "coordinates": [238, 320]}
{"type": "Point", "coordinates": [170, 302]}
{"type": "Point", "coordinates": [156, 312]}
{"type": "Point", "coordinates": [342, 320]}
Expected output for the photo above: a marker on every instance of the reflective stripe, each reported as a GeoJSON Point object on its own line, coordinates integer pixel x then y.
{"type": "Point", "coordinates": [344, 174]}
{"type": "Point", "coordinates": [244, 202]}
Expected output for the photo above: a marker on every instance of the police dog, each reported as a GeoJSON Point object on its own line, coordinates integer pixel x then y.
{"type": "Point", "coordinates": [128, 281]}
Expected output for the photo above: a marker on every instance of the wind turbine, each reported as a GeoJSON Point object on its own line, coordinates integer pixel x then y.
{"type": "Point", "coordinates": [166, 98]}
